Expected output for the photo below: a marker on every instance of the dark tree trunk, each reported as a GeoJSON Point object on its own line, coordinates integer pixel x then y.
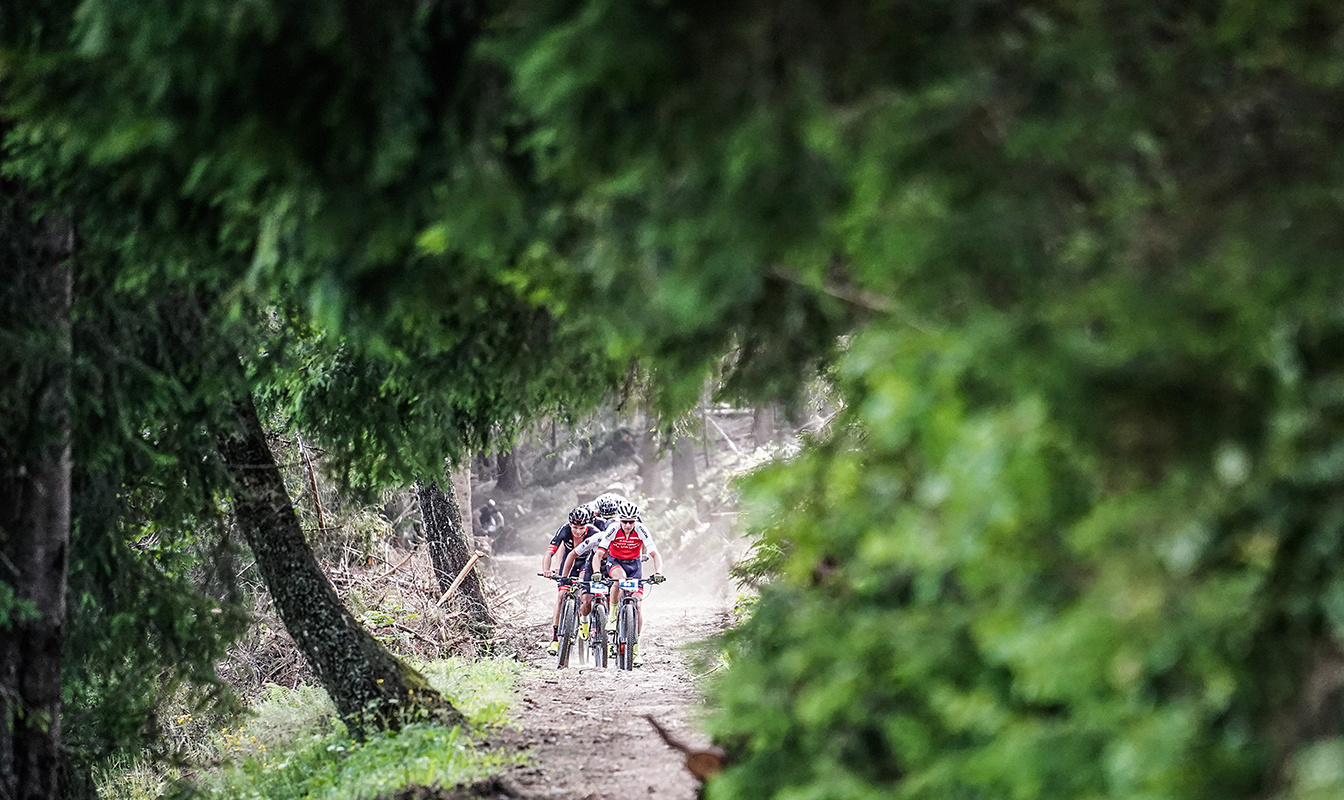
{"type": "Point", "coordinates": [369, 685]}
{"type": "Point", "coordinates": [449, 552]}
{"type": "Point", "coordinates": [684, 481]}
{"type": "Point", "coordinates": [762, 425]}
{"type": "Point", "coordinates": [509, 479]}
{"type": "Point", "coordinates": [34, 500]}
{"type": "Point", "coordinates": [650, 468]}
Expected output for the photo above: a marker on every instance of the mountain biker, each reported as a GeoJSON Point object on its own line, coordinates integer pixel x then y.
{"type": "Point", "coordinates": [617, 554]}
{"type": "Point", "coordinates": [489, 518]}
{"type": "Point", "coordinates": [580, 527]}
{"type": "Point", "coordinates": [607, 504]}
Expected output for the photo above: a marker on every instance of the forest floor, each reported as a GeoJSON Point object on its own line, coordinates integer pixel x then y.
{"type": "Point", "coordinates": [583, 728]}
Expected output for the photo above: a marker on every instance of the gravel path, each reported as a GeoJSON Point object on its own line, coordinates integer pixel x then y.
{"type": "Point", "coordinates": [584, 727]}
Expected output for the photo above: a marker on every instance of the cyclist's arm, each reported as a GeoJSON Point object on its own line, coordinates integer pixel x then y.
{"type": "Point", "coordinates": [568, 566]}
{"type": "Point", "coordinates": [599, 546]}
{"type": "Point", "coordinates": [556, 542]}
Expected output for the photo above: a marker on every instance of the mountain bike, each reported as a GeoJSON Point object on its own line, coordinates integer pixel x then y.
{"type": "Point", "coordinates": [597, 621]}
{"type": "Point", "coordinates": [568, 632]}
{"type": "Point", "coordinates": [627, 621]}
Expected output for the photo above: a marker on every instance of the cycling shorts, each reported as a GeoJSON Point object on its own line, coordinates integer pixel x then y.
{"type": "Point", "coordinates": [634, 568]}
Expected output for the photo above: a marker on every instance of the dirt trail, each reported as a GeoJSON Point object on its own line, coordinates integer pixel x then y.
{"type": "Point", "coordinates": [584, 726]}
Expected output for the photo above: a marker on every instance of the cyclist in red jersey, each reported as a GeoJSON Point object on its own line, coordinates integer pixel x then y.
{"type": "Point", "coordinates": [618, 554]}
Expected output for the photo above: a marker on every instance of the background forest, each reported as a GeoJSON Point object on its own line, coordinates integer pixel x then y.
{"type": "Point", "coordinates": [1069, 269]}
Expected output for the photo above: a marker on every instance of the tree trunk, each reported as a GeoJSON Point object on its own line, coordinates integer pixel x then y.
{"type": "Point", "coordinates": [684, 481]}
{"type": "Point", "coordinates": [650, 468]}
{"type": "Point", "coordinates": [369, 685]}
{"type": "Point", "coordinates": [34, 503]}
{"type": "Point", "coordinates": [763, 425]}
{"type": "Point", "coordinates": [462, 489]}
{"type": "Point", "coordinates": [449, 552]}
{"type": "Point", "coordinates": [510, 479]}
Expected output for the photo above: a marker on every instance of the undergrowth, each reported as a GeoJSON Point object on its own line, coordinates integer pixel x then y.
{"type": "Point", "coordinates": [290, 745]}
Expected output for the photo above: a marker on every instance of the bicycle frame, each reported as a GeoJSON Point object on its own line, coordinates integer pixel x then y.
{"type": "Point", "coordinates": [597, 621]}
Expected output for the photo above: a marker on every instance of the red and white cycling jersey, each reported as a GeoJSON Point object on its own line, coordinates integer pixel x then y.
{"type": "Point", "coordinates": [619, 543]}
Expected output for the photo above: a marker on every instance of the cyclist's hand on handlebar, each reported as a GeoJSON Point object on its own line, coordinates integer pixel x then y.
{"type": "Point", "coordinates": [657, 577]}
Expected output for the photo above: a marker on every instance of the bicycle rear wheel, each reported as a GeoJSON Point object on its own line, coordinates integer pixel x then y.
{"type": "Point", "coordinates": [569, 630]}
{"type": "Point", "coordinates": [626, 636]}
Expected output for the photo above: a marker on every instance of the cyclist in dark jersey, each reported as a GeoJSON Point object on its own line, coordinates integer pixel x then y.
{"type": "Point", "coordinates": [581, 526]}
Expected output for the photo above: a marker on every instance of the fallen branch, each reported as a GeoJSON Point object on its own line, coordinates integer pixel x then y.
{"type": "Point", "coordinates": [725, 436]}
{"type": "Point", "coordinates": [461, 576]}
{"type": "Point", "coordinates": [703, 763]}
{"type": "Point", "coordinates": [398, 566]}
{"type": "Point", "coordinates": [414, 632]}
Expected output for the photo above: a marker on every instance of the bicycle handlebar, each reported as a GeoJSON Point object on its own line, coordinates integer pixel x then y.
{"type": "Point", "coordinates": [642, 581]}
{"type": "Point", "coordinates": [560, 579]}
{"type": "Point", "coordinates": [566, 581]}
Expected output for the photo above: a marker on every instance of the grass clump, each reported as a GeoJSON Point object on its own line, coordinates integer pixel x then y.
{"type": "Point", "coordinates": [335, 767]}
{"type": "Point", "coordinates": [481, 689]}
{"type": "Point", "coordinates": [291, 745]}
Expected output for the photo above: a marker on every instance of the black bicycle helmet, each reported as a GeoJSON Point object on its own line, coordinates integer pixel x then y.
{"type": "Point", "coordinates": [580, 516]}
{"type": "Point", "coordinates": [607, 505]}
{"type": "Point", "coordinates": [627, 510]}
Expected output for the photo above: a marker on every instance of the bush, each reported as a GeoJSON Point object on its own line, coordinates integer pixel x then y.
{"type": "Point", "coordinates": [984, 593]}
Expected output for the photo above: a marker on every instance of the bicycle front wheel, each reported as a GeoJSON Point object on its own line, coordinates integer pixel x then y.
{"type": "Point", "coordinates": [626, 636]}
{"type": "Point", "coordinates": [569, 630]}
{"type": "Point", "coordinates": [597, 633]}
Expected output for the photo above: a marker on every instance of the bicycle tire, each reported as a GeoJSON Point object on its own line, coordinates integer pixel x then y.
{"type": "Point", "coordinates": [597, 632]}
{"type": "Point", "coordinates": [580, 644]}
{"type": "Point", "coordinates": [569, 629]}
{"type": "Point", "coordinates": [627, 636]}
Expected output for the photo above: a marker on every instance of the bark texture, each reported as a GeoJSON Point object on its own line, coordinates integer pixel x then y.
{"type": "Point", "coordinates": [449, 552]}
{"type": "Point", "coordinates": [35, 478]}
{"type": "Point", "coordinates": [369, 685]}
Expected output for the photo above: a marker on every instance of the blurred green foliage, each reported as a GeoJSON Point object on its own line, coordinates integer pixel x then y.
{"type": "Point", "coordinates": [1078, 530]}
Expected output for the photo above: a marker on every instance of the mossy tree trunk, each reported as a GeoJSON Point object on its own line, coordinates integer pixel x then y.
{"type": "Point", "coordinates": [369, 686]}
{"type": "Point", "coordinates": [35, 481]}
{"type": "Point", "coordinates": [449, 551]}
